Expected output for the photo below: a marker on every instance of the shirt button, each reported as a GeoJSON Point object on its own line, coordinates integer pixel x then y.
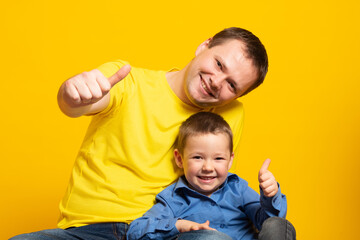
{"type": "Point", "coordinates": [212, 204]}
{"type": "Point", "coordinates": [222, 225]}
{"type": "Point", "coordinates": [167, 226]}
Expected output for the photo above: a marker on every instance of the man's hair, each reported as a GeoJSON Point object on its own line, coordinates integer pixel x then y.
{"type": "Point", "coordinates": [255, 50]}
{"type": "Point", "coordinates": [203, 123]}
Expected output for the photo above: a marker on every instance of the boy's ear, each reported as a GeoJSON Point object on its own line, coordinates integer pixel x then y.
{"type": "Point", "coordinates": [178, 158]}
{"type": "Point", "coordinates": [231, 160]}
{"type": "Point", "coordinates": [202, 46]}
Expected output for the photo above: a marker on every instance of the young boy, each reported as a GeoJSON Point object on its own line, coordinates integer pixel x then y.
{"type": "Point", "coordinates": [208, 197]}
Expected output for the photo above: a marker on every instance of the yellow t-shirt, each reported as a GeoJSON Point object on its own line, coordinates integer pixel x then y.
{"type": "Point", "coordinates": [127, 155]}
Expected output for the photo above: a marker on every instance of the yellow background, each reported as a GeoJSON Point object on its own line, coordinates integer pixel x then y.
{"type": "Point", "coordinates": [305, 117]}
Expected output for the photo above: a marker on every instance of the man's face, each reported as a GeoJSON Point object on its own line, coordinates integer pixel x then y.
{"type": "Point", "coordinates": [218, 75]}
{"type": "Point", "coordinates": [206, 160]}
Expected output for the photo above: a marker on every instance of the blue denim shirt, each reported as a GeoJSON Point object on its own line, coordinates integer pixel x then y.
{"type": "Point", "coordinates": [230, 209]}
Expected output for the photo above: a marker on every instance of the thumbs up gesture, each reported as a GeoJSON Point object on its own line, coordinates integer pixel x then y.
{"type": "Point", "coordinates": [267, 180]}
{"type": "Point", "coordinates": [90, 87]}
{"type": "Point", "coordinates": [85, 93]}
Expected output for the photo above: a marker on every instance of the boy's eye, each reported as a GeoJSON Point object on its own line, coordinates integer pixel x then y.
{"type": "Point", "coordinates": [219, 158]}
{"type": "Point", "coordinates": [197, 157]}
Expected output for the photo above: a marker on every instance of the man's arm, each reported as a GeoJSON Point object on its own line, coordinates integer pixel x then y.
{"type": "Point", "coordinates": [88, 92]}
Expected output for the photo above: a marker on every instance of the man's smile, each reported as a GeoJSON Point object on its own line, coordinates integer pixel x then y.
{"type": "Point", "coordinates": [205, 87]}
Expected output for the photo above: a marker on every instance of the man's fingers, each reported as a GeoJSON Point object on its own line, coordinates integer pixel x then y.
{"type": "Point", "coordinates": [71, 91]}
{"type": "Point", "coordinates": [119, 75]}
{"type": "Point", "coordinates": [90, 87]}
{"type": "Point", "coordinates": [83, 91]}
{"type": "Point", "coordinates": [97, 88]}
{"type": "Point", "coordinates": [265, 166]}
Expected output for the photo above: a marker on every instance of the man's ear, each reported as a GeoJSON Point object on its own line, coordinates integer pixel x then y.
{"type": "Point", "coordinates": [178, 158]}
{"type": "Point", "coordinates": [231, 161]}
{"type": "Point", "coordinates": [202, 46]}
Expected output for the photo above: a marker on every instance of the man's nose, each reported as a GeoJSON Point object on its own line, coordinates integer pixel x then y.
{"type": "Point", "coordinates": [216, 81]}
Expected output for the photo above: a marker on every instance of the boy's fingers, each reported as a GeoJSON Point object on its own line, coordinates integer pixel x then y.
{"type": "Point", "coordinates": [265, 166]}
{"type": "Point", "coordinates": [206, 225]}
{"type": "Point", "coordinates": [119, 75]}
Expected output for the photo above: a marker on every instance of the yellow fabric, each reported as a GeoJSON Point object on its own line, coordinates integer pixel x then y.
{"type": "Point", "coordinates": [127, 154]}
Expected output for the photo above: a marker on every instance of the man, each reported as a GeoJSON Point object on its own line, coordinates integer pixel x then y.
{"type": "Point", "coordinates": [126, 156]}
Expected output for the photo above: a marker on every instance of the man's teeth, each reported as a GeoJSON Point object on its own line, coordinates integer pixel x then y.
{"type": "Point", "coordinates": [204, 86]}
{"type": "Point", "coordinates": [206, 89]}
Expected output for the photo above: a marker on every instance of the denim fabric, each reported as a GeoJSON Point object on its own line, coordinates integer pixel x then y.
{"type": "Point", "coordinates": [276, 228]}
{"type": "Point", "coordinates": [99, 231]}
{"type": "Point", "coordinates": [203, 235]}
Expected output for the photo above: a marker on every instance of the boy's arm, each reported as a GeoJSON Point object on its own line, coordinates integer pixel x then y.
{"type": "Point", "coordinates": [272, 201]}
{"type": "Point", "coordinates": [186, 225]}
{"type": "Point", "coordinates": [157, 223]}
{"type": "Point", "coordinates": [267, 181]}
{"type": "Point", "coordinates": [88, 92]}
{"type": "Point", "coordinates": [161, 223]}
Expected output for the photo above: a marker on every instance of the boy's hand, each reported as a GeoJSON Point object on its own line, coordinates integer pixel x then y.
{"type": "Point", "coordinates": [267, 180]}
{"type": "Point", "coordinates": [186, 226]}
{"type": "Point", "coordinates": [89, 87]}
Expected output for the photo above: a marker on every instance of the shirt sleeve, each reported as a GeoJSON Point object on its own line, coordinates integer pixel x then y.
{"type": "Point", "coordinates": [275, 206]}
{"type": "Point", "coordinates": [259, 211]}
{"type": "Point", "coordinates": [117, 91]}
{"type": "Point", "coordinates": [157, 223]}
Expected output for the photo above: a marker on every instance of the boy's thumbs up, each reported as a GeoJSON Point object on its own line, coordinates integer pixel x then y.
{"type": "Point", "coordinates": [267, 181]}
{"type": "Point", "coordinates": [265, 165]}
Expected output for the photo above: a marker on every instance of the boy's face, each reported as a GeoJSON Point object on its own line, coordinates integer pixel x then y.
{"type": "Point", "coordinates": [218, 75]}
{"type": "Point", "coordinates": [206, 160]}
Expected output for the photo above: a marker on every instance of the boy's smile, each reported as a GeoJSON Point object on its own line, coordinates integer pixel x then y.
{"type": "Point", "coordinates": [206, 160]}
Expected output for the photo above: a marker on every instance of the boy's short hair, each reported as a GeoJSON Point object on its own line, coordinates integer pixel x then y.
{"type": "Point", "coordinates": [254, 48]}
{"type": "Point", "coordinates": [203, 123]}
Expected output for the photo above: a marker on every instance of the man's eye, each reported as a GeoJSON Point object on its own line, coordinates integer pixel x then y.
{"type": "Point", "coordinates": [218, 63]}
{"type": "Point", "coordinates": [232, 85]}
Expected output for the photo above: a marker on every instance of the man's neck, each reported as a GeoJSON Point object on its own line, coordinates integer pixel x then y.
{"type": "Point", "coordinates": [176, 81]}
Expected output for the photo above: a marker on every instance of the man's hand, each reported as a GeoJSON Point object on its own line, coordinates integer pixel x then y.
{"type": "Point", "coordinates": [186, 226]}
{"type": "Point", "coordinates": [85, 93]}
{"type": "Point", "coordinates": [267, 180]}
{"type": "Point", "coordinates": [89, 87]}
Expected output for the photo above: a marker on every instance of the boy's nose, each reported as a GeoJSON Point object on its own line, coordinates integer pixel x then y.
{"type": "Point", "coordinates": [207, 166]}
